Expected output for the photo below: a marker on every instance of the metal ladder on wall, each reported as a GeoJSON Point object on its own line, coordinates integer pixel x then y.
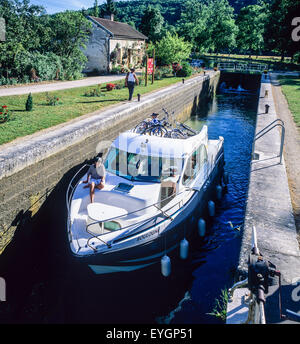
{"type": "Point", "coordinates": [265, 130]}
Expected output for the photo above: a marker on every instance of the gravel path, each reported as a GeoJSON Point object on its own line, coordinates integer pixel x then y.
{"type": "Point", "coordinates": [60, 85]}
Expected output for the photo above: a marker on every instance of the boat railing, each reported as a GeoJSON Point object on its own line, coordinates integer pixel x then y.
{"type": "Point", "coordinates": [155, 205]}
{"type": "Point", "coordinates": [71, 188]}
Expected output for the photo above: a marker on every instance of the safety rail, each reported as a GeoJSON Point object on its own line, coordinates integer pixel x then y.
{"type": "Point", "coordinates": [72, 188]}
{"type": "Point", "coordinates": [268, 128]}
{"type": "Point", "coordinates": [238, 66]}
{"type": "Point", "coordinates": [162, 212]}
{"type": "Point", "coordinates": [70, 192]}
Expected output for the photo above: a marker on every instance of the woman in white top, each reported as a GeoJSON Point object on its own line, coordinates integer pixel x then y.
{"type": "Point", "coordinates": [130, 81]}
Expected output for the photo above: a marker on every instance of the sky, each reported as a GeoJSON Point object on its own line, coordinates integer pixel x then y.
{"type": "Point", "coordinates": [53, 6]}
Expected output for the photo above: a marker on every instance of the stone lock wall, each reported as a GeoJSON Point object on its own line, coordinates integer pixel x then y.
{"type": "Point", "coordinates": [30, 168]}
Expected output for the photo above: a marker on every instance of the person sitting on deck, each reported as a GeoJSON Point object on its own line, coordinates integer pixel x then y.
{"type": "Point", "coordinates": [154, 119]}
{"type": "Point", "coordinates": [95, 177]}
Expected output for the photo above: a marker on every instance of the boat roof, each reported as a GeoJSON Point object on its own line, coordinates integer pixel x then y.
{"type": "Point", "coordinates": [159, 146]}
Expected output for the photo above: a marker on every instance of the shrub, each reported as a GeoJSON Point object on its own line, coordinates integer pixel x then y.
{"type": "Point", "coordinates": [51, 100]}
{"type": "Point", "coordinates": [157, 74]}
{"type": "Point", "coordinates": [185, 71]}
{"type": "Point", "coordinates": [116, 70]}
{"type": "Point", "coordinates": [5, 114]}
{"type": "Point", "coordinates": [119, 85]}
{"type": "Point", "coordinates": [96, 92]}
{"type": "Point", "coordinates": [29, 103]}
{"type": "Point", "coordinates": [176, 67]}
{"type": "Point", "coordinates": [165, 71]}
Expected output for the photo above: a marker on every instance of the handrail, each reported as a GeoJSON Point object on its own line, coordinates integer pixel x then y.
{"type": "Point", "coordinates": [278, 119]}
{"type": "Point", "coordinates": [135, 211]}
{"type": "Point", "coordinates": [264, 132]}
{"type": "Point", "coordinates": [241, 66]}
{"type": "Point", "coordinates": [72, 188]}
{"type": "Point", "coordinates": [136, 223]}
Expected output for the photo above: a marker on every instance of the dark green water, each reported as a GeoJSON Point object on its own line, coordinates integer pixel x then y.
{"type": "Point", "coordinates": [44, 286]}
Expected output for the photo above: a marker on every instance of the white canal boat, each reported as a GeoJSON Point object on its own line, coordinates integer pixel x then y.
{"type": "Point", "coordinates": [156, 190]}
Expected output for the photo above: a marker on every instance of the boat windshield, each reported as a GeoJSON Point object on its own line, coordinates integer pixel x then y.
{"type": "Point", "coordinates": [144, 168]}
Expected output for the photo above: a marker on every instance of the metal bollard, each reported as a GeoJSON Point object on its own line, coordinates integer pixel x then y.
{"type": "Point", "coordinates": [183, 81]}
{"type": "Point", "coordinates": [267, 108]}
{"type": "Point", "coordinates": [266, 93]}
{"type": "Point", "coordinates": [139, 97]}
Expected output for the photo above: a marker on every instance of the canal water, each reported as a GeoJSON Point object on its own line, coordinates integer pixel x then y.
{"type": "Point", "coordinates": [45, 286]}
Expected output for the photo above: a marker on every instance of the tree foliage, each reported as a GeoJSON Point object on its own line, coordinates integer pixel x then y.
{"type": "Point", "coordinates": [251, 26]}
{"type": "Point", "coordinates": [278, 26]}
{"type": "Point", "coordinates": [152, 23]}
{"type": "Point", "coordinates": [48, 44]}
{"type": "Point", "coordinates": [172, 49]}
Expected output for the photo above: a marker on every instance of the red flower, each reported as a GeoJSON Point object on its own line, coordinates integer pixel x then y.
{"type": "Point", "coordinates": [110, 87]}
{"type": "Point", "coordinates": [1, 113]}
{"type": "Point", "coordinates": [57, 98]}
{"type": "Point", "coordinates": [4, 106]}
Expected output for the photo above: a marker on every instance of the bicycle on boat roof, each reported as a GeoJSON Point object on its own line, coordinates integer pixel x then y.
{"type": "Point", "coordinates": [163, 127]}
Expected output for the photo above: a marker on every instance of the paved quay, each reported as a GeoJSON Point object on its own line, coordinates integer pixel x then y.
{"type": "Point", "coordinates": [269, 209]}
{"type": "Point", "coordinates": [56, 86]}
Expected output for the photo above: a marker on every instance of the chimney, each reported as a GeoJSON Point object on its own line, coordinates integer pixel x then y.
{"type": "Point", "coordinates": [110, 16]}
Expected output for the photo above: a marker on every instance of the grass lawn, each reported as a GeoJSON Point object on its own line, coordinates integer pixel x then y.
{"type": "Point", "coordinates": [291, 89]}
{"type": "Point", "coordinates": [72, 103]}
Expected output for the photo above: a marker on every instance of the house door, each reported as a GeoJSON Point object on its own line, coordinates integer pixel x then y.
{"type": "Point", "coordinates": [129, 57]}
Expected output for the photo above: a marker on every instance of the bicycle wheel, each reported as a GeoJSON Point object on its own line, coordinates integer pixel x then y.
{"type": "Point", "coordinates": [177, 134]}
{"type": "Point", "coordinates": [141, 127]}
{"type": "Point", "coordinates": [158, 131]}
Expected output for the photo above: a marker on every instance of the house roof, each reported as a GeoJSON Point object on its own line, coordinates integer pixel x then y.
{"type": "Point", "coordinates": [118, 29]}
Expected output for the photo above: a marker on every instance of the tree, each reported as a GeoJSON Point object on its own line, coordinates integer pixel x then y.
{"type": "Point", "coordinates": [221, 29]}
{"type": "Point", "coordinates": [152, 23]}
{"type": "Point", "coordinates": [278, 28]}
{"type": "Point", "coordinates": [29, 103]}
{"type": "Point", "coordinates": [96, 9]}
{"type": "Point", "coordinates": [251, 26]}
{"type": "Point", "coordinates": [24, 29]}
{"type": "Point", "coordinates": [110, 7]}
{"type": "Point", "coordinates": [193, 24]}
{"type": "Point", "coordinates": [172, 49]}
{"type": "Point", "coordinates": [70, 32]}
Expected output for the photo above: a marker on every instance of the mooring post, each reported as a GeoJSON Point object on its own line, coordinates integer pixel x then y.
{"type": "Point", "coordinates": [267, 108]}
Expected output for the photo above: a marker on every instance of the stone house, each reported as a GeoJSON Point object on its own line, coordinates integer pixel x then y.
{"type": "Point", "coordinates": [113, 44]}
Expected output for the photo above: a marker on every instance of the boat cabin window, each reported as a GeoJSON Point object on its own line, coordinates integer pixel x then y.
{"type": "Point", "coordinates": [137, 167]}
{"type": "Point", "coordinates": [195, 163]}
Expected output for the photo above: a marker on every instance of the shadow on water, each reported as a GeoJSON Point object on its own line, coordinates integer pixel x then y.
{"type": "Point", "coordinates": [44, 285]}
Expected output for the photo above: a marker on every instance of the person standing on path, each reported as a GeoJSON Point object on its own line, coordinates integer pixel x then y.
{"type": "Point", "coordinates": [130, 82]}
